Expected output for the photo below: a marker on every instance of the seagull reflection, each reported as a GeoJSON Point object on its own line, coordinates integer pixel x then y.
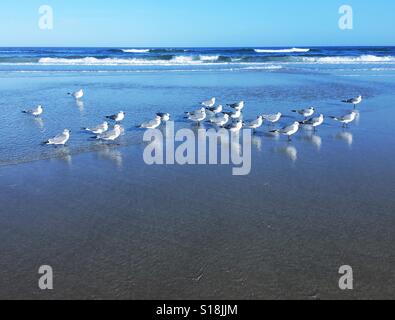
{"type": "Point", "coordinates": [289, 151]}
{"type": "Point", "coordinates": [40, 123]}
{"type": "Point", "coordinates": [314, 139]}
{"type": "Point", "coordinates": [358, 117]}
{"type": "Point", "coordinates": [64, 155]}
{"type": "Point", "coordinates": [257, 142]}
{"type": "Point", "coordinates": [346, 136]}
{"type": "Point", "coordinates": [272, 135]}
{"type": "Point", "coordinates": [111, 154]}
{"type": "Point", "coordinates": [80, 105]}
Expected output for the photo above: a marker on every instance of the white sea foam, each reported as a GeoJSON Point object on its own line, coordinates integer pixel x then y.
{"type": "Point", "coordinates": [136, 50]}
{"type": "Point", "coordinates": [209, 58]}
{"type": "Point", "coordinates": [349, 60]}
{"type": "Point", "coordinates": [292, 50]}
{"type": "Point", "coordinates": [266, 67]}
{"type": "Point", "coordinates": [180, 60]}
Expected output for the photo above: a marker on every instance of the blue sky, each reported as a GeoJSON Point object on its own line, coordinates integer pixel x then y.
{"type": "Point", "coordinates": [156, 23]}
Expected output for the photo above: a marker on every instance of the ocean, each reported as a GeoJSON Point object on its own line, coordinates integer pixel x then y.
{"type": "Point", "coordinates": [140, 59]}
{"type": "Point", "coordinates": [112, 226]}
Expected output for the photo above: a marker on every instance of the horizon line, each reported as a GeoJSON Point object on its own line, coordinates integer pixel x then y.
{"type": "Point", "coordinates": [208, 47]}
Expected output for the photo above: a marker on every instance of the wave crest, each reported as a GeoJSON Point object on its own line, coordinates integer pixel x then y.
{"type": "Point", "coordinates": [136, 50]}
{"type": "Point", "coordinates": [347, 60]}
{"type": "Point", "coordinates": [292, 50]}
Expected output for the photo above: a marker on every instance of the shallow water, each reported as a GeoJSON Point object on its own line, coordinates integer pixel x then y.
{"type": "Point", "coordinates": [113, 227]}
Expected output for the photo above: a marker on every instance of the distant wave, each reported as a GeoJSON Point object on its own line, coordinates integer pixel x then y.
{"type": "Point", "coordinates": [136, 50]}
{"type": "Point", "coordinates": [169, 60]}
{"type": "Point", "coordinates": [347, 60]}
{"type": "Point", "coordinates": [292, 50]}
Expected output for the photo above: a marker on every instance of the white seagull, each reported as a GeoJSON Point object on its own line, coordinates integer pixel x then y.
{"type": "Point", "coordinates": [78, 94]}
{"type": "Point", "coordinates": [305, 112]}
{"type": "Point", "coordinates": [111, 135]}
{"type": "Point", "coordinates": [198, 117]}
{"type": "Point", "coordinates": [153, 124]}
{"type": "Point", "coordinates": [273, 118]}
{"type": "Point", "coordinates": [236, 114]}
{"type": "Point", "coordinates": [255, 124]}
{"type": "Point", "coordinates": [289, 130]}
{"type": "Point", "coordinates": [119, 117]}
{"type": "Point", "coordinates": [60, 139]}
{"type": "Point", "coordinates": [101, 128]}
{"type": "Point", "coordinates": [354, 101]}
{"type": "Point", "coordinates": [237, 106]}
{"type": "Point", "coordinates": [209, 103]}
{"type": "Point", "coordinates": [35, 112]}
{"type": "Point", "coordinates": [347, 119]}
{"type": "Point", "coordinates": [235, 127]}
{"type": "Point", "coordinates": [314, 122]}
{"type": "Point", "coordinates": [165, 117]}
{"type": "Point", "coordinates": [220, 121]}
{"type": "Point", "coordinates": [215, 110]}
{"type": "Point", "coordinates": [196, 112]}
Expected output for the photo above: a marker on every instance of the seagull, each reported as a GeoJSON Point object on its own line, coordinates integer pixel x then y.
{"type": "Point", "coordinates": [198, 117]}
{"type": "Point", "coordinates": [220, 121]}
{"type": "Point", "coordinates": [314, 122]}
{"type": "Point", "coordinates": [305, 112]}
{"type": "Point", "coordinates": [111, 135]}
{"type": "Point", "coordinates": [78, 94]}
{"type": "Point", "coordinates": [209, 103]}
{"type": "Point", "coordinates": [237, 106]}
{"type": "Point", "coordinates": [196, 112]}
{"type": "Point", "coordinates": [35, 112]}
{"type": "Point", "coordinates": [354, 101]}
{"type": "Point", "coordinates": [289, 130]}
{"type": "Point", "coordinates": [236, 114]}
{"type": "Point", "coordinates": [255, 124]}
{"type": "Point", "coordinates": [235, 127]}
{"type": "Point", "coordinates": [153, 124]}
{"type": "Point", "coordinates": [100, 129]}
{"type": "Point", "coordinates": [60, 139]}
{"type": "Point", "coordinates": [215, 110]}
{"type": "Point", "coordinates": [165, 117]}
{"type": "Point", "coordinates": [273, 118]}
{"type": "Point", "coordinates": [347, 119]}
{"type": "Point", "coordinates": [119, 117]}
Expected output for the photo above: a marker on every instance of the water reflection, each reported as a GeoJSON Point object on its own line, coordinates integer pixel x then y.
{"type": "Point", "coordinates": [314, 139]}
{"type": "Point", "coordinates": [80, 104]}
{"type": "Point", "coordinates": [257, 142]}
{"type": "Point", "coordinates": [346, 137]}
{"type": "Point", "coordinates": [63, 154]}
{"type": "Point", "coordinates": [289, 151]}
{"type": "Point", "coordinates": [111, 154]}
{"type": "Point", "coordinates": [39, 123]}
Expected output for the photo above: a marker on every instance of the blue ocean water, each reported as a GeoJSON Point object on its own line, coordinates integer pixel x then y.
{"type": "Point", "coordinates": [91, 59]}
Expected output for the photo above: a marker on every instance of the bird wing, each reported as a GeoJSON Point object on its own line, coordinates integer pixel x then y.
{"type": "Point", "coordinates": [58, 139]}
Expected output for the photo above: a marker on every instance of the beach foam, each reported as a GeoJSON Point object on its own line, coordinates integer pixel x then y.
{"type": "Point", "coordinates": [346, 60]}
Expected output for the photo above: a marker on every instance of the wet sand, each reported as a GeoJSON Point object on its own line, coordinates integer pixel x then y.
{"type": "Point", "coordinates": [114, 228]}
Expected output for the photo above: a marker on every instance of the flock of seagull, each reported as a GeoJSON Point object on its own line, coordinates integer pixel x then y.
{"type": "Point", "coordinates": [209, 112]}
{"type": "Point", "coordinates": [233, 122]}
